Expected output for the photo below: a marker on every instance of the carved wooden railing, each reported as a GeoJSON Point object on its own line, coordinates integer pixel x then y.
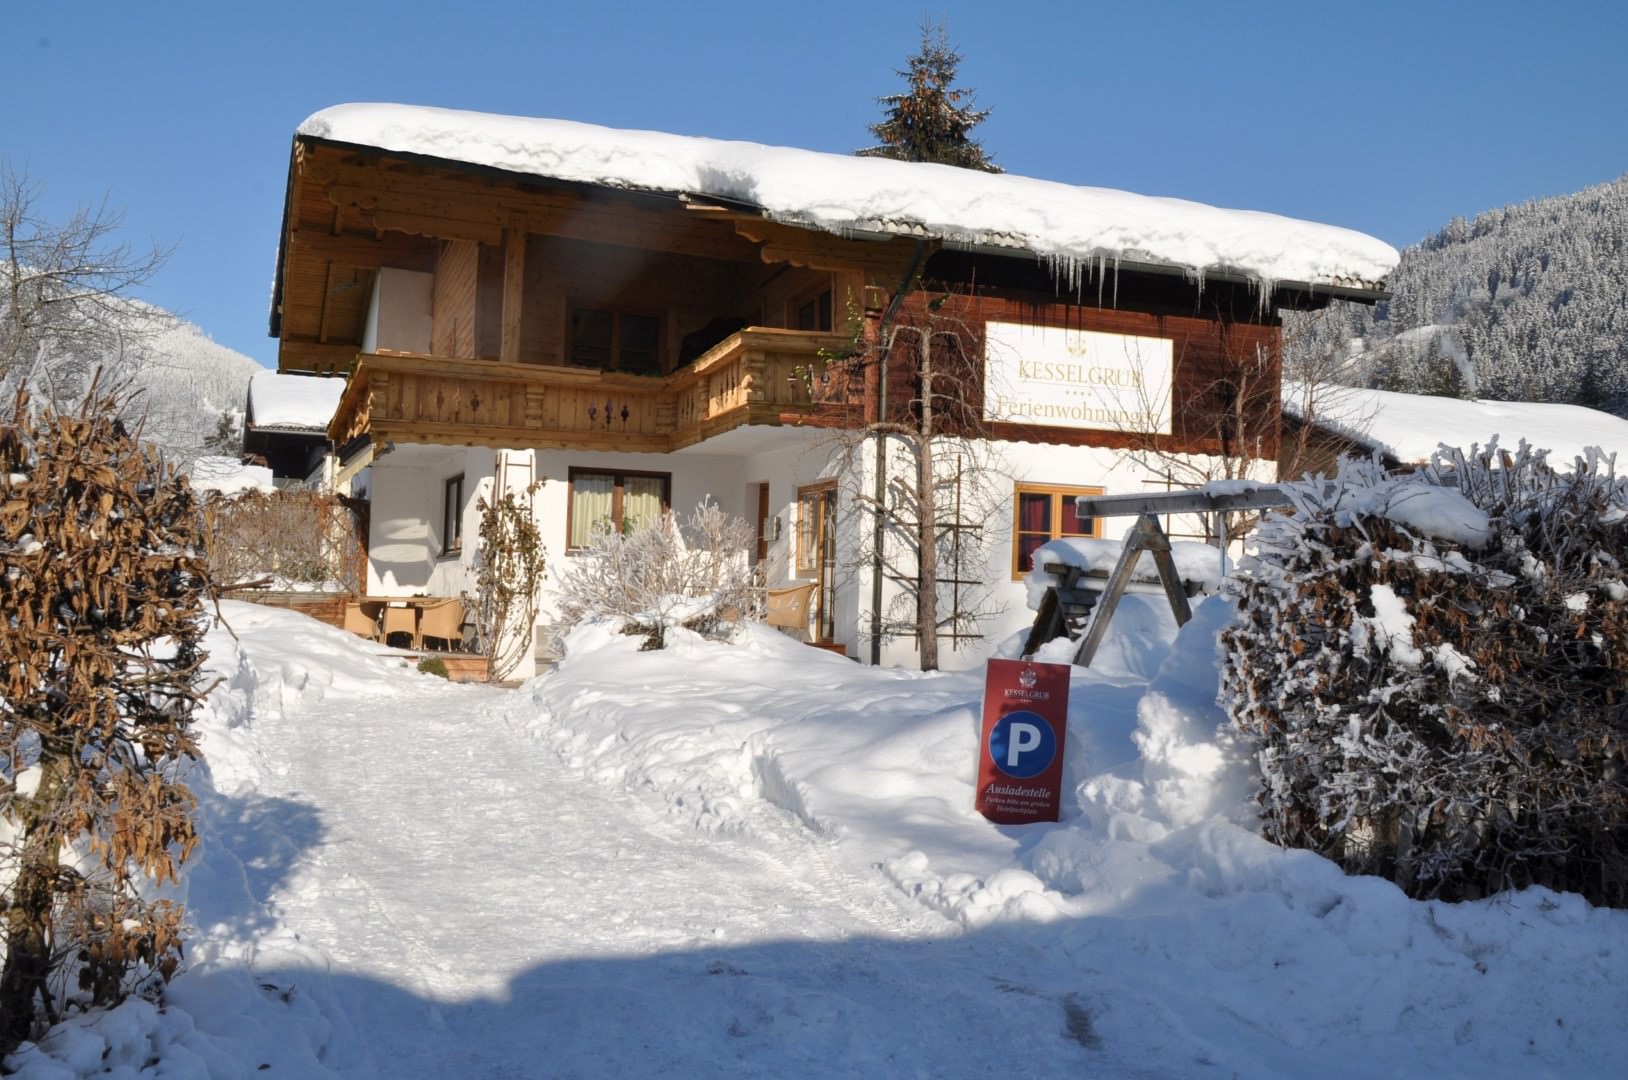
{"type": "Point", "coordinates": [755, 376]}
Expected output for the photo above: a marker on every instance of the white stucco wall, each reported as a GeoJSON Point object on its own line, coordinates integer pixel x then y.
{"type": "Point", "coordinates": [408, 484]}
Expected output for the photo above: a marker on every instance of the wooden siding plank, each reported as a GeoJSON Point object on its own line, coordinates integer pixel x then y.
{"type": "Point", "coordinates": [514, 284]}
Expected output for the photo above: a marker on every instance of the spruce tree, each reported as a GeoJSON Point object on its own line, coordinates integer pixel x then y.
{"type": "Point", "coordinates": [933, 120]}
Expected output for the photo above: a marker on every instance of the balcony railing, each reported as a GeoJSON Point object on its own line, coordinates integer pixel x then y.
{"type": "Point", "coordinates": [755, 376]}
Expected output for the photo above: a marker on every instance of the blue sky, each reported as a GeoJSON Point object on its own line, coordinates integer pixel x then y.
{"type": "Point", "coordinates": [1385, 117]}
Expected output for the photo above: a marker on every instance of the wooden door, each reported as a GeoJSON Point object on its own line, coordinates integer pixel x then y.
{"type": "Point", "coordinates": [817, 551]}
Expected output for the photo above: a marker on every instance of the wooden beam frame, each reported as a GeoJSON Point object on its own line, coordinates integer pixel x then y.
{"type": "Point", "coordinates": [514, 285]}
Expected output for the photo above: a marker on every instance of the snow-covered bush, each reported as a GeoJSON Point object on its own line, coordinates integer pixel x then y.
{"type": "Point", "coordinates": [1434, 668]}
{"type": "Point", "coordinates": [663, 575]}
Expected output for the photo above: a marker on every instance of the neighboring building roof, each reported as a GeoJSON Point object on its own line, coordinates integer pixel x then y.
{"type": "Point", "coordinates": [1409, 427]}
{"type": "Point", "coordinates": [1073, 226]}
{"type": "Point", "coordinates": [229, 476]}
{"type": "Point", "coordinates": [294, 403]}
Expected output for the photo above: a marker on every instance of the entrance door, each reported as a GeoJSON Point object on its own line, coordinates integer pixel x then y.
{"type": "Point", "coordinates": [817, 551]}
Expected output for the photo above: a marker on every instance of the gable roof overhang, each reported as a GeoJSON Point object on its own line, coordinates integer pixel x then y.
{"type": "Point", "coordinates": [1286, 291]}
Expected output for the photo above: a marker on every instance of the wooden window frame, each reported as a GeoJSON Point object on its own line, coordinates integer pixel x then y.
{"type": "Point", "coordinates": [806, 562]}
{"type": "Point", "coordinates": [617, 314]}
{"type": "Point", "coordinates": [812, 296]}
{"type": "Point", "coordinates": [452, 515]}
{"type": "Point", "coordinates": [618, 483]}
{"type": "Point", "coordinates": [1057, 492]}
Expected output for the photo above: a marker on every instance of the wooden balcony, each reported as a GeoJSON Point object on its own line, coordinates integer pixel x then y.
{"type": "Point", "coordinates": [752, 377]}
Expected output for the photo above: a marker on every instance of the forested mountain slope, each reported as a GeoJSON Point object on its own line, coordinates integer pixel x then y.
{"type": "Point", "coordinates": [188, 381]}
{"type": "Point", "coordinates": [1525, 303]}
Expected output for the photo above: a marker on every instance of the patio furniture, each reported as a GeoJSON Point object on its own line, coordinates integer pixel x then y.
{"type": "Point", "coordinates": [442, 620]}
{"type": "Point", "coordinates": [788, 607]}
{"type": "Point", "coordinates": [362, 618]}
{"type": "Point", "coordinates": [400, 617]}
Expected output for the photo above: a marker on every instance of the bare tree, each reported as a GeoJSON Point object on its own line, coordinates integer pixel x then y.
{"type": "Point", "coordinates": [930, 488]}
{"type": "Point", "coordinates": [66, 294]}
{"type": "Point", "coordinates": [1240, 416]}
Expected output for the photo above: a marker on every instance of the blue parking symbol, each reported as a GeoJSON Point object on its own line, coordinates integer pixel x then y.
{"type": "Point", "coordinates": [1022, 745]}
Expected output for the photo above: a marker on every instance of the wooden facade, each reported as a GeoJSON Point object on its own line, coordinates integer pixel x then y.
{"type": "Point", "coordinates": [565, 315]}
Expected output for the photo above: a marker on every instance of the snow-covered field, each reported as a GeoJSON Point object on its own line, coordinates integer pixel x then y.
{"type": "Point", "coordinates": [757, 859]}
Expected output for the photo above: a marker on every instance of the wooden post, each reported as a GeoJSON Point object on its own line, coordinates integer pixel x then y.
{"type": "Point", "coordinates": [1145, 536]}
{"type": "Point", "coordinates": [514, 286]}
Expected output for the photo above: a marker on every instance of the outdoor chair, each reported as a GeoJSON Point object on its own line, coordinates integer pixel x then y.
{"type": "Point", "coordinates": [359, 621]}
{"type": "Point", "coordinates": [788, 607]}
{"type": "Point", "coordinates": [400, 618]}
{"type": "Point", "coordinates": [443, 621]}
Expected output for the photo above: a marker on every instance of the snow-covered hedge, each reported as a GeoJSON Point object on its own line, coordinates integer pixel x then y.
{"type": "Point", "coordinates": [1434, 669]}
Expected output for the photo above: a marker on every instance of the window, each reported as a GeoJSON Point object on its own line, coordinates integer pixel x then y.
{"type": "Point", "coordinates": [1042, 513]}
{"type": "Point", "coordinates": [812, 312]}
{"type": "Point", "coordinates": [452, 515]}
{"type": "Point", "coordinates": [616, 501]}
{"type": "Point", "coordinates": [615, 341]}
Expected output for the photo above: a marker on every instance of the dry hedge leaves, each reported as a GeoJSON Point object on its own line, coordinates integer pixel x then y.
{"type": "Point", "coordinates": [101, 588]}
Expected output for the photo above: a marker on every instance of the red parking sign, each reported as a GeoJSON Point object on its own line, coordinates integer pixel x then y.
{"type": "Point", "coordinates": [1020, 757]}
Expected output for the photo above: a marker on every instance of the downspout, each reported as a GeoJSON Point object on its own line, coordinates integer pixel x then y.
{"type": "Point", "coordinates": [880, 489]}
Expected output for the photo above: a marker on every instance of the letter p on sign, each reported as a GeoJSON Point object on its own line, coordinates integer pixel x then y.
{"type": "Point", "coordinates": [1024, 737]}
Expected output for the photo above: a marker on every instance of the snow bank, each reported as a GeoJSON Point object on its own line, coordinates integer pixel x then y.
{"type": "Point", "coordinates": [1154, 883]}
{"type": "Point", "coordinates": [837, 192]}
{"type": "Point", "coordinates": [239, 1007]}
{"type": "Point", "coordinates": [1173, 939]}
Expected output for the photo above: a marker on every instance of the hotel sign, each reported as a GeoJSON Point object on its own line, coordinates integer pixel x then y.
{"type": "Point", "coordinates": [1077, 378]}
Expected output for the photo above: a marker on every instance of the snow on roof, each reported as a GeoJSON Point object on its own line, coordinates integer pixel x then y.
{"type": "Point", "coordinates": [1074, 226]}
{"type": "Point", "coordinates": [229, 476]}
{"type": "Point", "coordinates": [293, 402]}
{"type": "Point", "coordinates": [1411, 426]}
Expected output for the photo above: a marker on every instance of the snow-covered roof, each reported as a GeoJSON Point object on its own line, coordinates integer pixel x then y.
{"type": "Point", "coordinates": [1410, 426]}
{"type": "Point", "coordinates": [229, 476]}
{"type": "Point", "coordinates": [1073, 226]}
{"type": "Point", "coordinates": [293, 402]}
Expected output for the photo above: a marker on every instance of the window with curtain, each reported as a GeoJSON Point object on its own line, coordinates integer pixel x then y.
{"type": "Point", "coordinates": [617, 502]}
{"type": "Point", "coordinates": [1042, 513]}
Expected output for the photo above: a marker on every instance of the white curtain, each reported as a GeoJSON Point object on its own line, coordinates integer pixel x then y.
{"type": "Point", "coordinates": [641, 502]}
{"type": "Point", "coordinates": [593, 500]}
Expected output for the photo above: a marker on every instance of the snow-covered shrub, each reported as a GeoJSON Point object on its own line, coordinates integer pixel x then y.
{"type": "Point", "coordinates": [663, 575]}
{"type": "Point", "coordinates": [1434, 669]}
